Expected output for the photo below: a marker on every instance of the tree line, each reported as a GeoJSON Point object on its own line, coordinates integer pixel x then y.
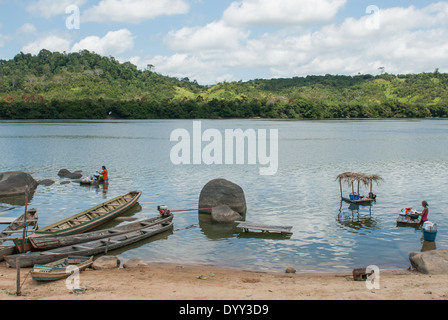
{"type": "Point", "coordinates": [84, 85]}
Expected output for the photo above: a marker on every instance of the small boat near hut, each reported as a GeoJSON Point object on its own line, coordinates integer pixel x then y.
{"type": "Point", "coordinates": [46, 243]}
{"type": "Point", "coordinates": [60, 269]}
{"type": "Point", "coordinates": [93, 217]}
{"type": "Point", "coordinates": [409, 217]}
{"type": "Point", "coordinates": [28, 221]}
{"type": "Point", "coordinates": [351, 178]}
{"type": "Point", "coordinates": [91, 248]}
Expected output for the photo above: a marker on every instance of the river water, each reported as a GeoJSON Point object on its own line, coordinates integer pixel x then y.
{"type": "Point", "coordinates": [410, 155]}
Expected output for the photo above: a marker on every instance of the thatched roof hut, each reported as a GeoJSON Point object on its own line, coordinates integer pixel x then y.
{"type": "Point", "coordinates": [351, 177]}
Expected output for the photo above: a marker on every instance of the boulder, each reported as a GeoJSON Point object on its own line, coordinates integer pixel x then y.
{"type": "Point", "coordinates": [224, 214]}
{"type": "Point", "coordinates": [64, 173]}
{"type": "Point", "coordinates": [223, 192]}
{"type": "Point", "coordinates": [134, 263]}
{"type": "Point", "coordinates": [106, 262]}
{"type": "Point", "coordinates": [430, 262]}
{"type": "Point", "coordinates": [15, 183]}
{"type": "Point", "coordinates": [46, 182]}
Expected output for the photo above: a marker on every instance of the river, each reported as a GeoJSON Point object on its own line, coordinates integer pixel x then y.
{"type": "Point", "coordinates": [410, 155]}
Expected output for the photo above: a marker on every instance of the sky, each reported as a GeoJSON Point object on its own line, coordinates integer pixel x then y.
{"type": "Point", "coordinates": [234, 40]}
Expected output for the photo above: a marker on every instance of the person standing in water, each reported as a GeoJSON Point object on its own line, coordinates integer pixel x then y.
{"type": "Point", "coordinates": [425, 212]}
{"type": "Point", "coordinates": [105, 175]}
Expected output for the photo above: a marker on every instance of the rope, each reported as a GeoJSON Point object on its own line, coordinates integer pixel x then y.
{"type": "Point", "coordinates": [185, 210]}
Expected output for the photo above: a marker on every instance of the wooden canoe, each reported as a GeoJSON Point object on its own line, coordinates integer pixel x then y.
{"type": "Point", "coordinates": [92, 218]}
{"type": "Point", "coordinates": [61, 269]}
{"type": "Point", "coordinates": [15, 229]}
{"type": "Point", "coordinates": [92, 248]}
{"type": "Point", "coordinates": [46, 243]}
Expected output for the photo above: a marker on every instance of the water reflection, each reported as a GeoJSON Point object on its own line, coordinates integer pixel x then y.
{"type": "Point", "coordinates": [357, 218]}
{"type": "Point", "coordinates": [18, 200]}
{"type": "Point", "coordinates": [428, 246]}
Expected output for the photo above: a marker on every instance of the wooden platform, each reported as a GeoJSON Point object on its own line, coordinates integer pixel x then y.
{"type": "Point", "coordinates": [360, 201]}
{"type": "Point", "coordinates": [248, 226]}
{"type": "Point", "coordinates": [5, 220]}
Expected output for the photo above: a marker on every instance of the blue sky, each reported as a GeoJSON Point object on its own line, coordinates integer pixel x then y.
{"type": "Point", "coordinates": [232, 40]}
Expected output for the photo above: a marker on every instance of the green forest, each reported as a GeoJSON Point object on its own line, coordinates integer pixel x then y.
{"type": "Point", "coordinates": [85, 85]}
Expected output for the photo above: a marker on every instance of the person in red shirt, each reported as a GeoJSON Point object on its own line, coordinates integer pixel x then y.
{"type": "Point", "coordinates": [425, 211]}
{"type": "Point", "coordinates": [105, 175]}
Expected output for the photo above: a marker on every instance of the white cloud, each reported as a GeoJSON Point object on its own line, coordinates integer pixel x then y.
{"type": "Point", "coordinates": [51, 8]}
{"type": "Point", "coordinates": [408, 40]}
{"type": "Point", "coordinates": [134, 11]}
{"type": "Point", "coordinates": [215, 35]}
{"type": "Point", "coordinates": [27, 28]}
{"type": "Point", "coordinates": [113, 43]}
{"type": "Point", "coordinates": [281, 12]}
{"type": "Point", "coordinates": [51, 43]}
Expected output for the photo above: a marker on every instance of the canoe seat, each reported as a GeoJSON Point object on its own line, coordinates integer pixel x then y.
{"type": "Point", "coordinates": [81, 247]}
{"type": "Point", "coordinates": [109, 241]}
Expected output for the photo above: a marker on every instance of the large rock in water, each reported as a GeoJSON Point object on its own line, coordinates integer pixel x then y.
{"type": "Point", "coordinates": [224, 214]}
{"type": "Point", "coordinates": [430, 262]}
{"type": "Point", "coordinates": [15, 183]}
{"type": "Point", "coordinates": [223, 192]}
{"type": "Point", "coordinates": [64, 173]}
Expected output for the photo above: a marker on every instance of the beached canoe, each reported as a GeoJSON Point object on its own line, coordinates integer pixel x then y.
{"type": "Point", "coordinates": [61, 269]}
{"type": "Point", "coordinates": [92, 248]}
{"type": "Point", "coordinates": [409, 217]}
{"type": "Point", "coordinates": [46, 243]}
{"type": "Point", "coordinates": [15, 229]}
{"type": "Point", "coordinates": [92, 218]}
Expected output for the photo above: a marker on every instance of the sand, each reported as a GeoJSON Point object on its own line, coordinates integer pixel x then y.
{"type": "Point", "coordinates": [187, 282]}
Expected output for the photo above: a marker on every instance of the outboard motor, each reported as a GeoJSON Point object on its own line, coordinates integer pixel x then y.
{"type": "Point", "coordinates": [163, 210]}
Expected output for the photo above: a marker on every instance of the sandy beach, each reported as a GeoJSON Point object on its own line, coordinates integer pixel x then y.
{"type": "Point", "coordinates": [187, 282]}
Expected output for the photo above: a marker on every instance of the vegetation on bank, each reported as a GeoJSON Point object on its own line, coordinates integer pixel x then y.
{"type": "Point", "coordinates": [84, 85]}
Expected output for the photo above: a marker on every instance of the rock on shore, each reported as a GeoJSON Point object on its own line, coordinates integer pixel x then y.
{"type": "Point", "coordinates": [430, 262]}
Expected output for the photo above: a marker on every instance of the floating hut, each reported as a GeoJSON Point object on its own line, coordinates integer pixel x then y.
{"type": "Point", "coordinates": [359, 178]}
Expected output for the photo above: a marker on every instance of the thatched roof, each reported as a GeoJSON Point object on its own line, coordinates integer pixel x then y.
{"type": "Point", "coordinates": [351, 177]}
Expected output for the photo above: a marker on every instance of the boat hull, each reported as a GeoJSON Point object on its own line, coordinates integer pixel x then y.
{"type": "Point", "coordinates": [47, 243]}
{"type": "Point", "coordinates": [60, 269]}
{"type": "Point", "coordinates": [63, 227]}
{"type": "Point", "coordinates": [92, 248]}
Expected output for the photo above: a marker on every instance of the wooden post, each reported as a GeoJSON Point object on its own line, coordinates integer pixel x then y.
{"type": "Point", "coordinates": [24, 222]}
{"type": "Point", "coordinates": [18, 289]}
{"type": "Point", "coordinates": [340, 187]}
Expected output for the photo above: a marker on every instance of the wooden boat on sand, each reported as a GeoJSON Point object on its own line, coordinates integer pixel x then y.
{"type": "Point", "coordinates": [101, 246]}
{"type": "Point", "coordinates": [15, 229]}
{"type": "Point", "coordinates": [46, 243]}
{"type": "Point", "coordinates": [92, 218]}
{"type": "Point", "coordinates": [61, 269]}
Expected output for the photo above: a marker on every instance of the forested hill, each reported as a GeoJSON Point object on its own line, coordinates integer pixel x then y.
{"type": "Point", "coordinates": [85, 85]}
